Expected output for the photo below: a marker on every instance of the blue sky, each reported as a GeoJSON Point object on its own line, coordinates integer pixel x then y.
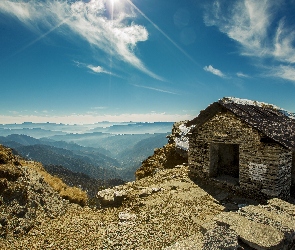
{"type": "Point", "coordinates": [142, 60]}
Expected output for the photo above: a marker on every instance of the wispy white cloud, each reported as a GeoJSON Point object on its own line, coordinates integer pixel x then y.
{"type": "Point", "coordinates": [214, 71]}
{"type": "Point", "coordinates": [111, 31]}
{"type": "Point", "coordinates": [21, 10]}
{"type": "Point", "coordinates": [98, 69]}
{"type": "Point", "coordinates": [155, 89]}
{"type": "Point", "coordinates": [284, 72]}
{"type": "Point", "coordinates": [284, 43]}
{"type": "Point", "coordinates": [245, 21]}
{"type": "Point", "coordinates": [242, 75]}
{"type": "Point", "coordinates": [257, 28]}
{"type": "Point", "coordinates": [95, 69]}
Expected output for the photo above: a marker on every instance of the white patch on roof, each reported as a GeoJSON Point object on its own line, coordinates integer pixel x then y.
{"type": "Point", "coordinates": [182, 142]}
{"type": "Point", "coordinates": [258, 104]}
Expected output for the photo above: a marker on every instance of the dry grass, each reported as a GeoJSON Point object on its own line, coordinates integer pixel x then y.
{"type": "Point", "coordinates": [73, 194]}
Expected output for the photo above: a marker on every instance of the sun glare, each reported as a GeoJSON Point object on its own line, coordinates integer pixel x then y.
{"type": "Point", "coordinates": [113, 2]}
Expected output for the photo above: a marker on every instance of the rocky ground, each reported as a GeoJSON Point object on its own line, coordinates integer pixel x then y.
{"type": "Point", "coordinates": [164, 211]}
{"type": "Point", "coordinates": [24, 196]}
{"type": "Point", "coordinates": [154, 215]}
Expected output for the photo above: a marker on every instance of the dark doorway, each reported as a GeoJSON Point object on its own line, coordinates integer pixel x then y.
{"type": "Point", "coordinates": [224, 160]}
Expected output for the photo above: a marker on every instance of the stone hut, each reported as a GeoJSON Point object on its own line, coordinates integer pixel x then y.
{"type": "Point", "coordinates": [246, 145]}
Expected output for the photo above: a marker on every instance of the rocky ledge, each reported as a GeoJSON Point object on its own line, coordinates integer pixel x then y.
{"type": "Point", "coordinates": [24, 197]}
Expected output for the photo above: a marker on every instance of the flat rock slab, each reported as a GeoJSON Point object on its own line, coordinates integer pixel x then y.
{"type": "Point", "coordinates": [283, 206]}
{"type": "Point", "coordinates": [256, 235]}
{"type": "Point", "coordinates": [270, 216]}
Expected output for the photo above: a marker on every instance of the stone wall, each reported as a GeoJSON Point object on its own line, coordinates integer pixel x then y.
{"type": "Point", "coordinates": [264, 167]}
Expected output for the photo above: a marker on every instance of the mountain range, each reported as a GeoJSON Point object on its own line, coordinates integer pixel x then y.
{"type": "Point", "coordinates": [115, 153]}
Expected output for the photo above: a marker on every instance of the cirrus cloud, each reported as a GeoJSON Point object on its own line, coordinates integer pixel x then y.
{"type": "Point", "coordinates": [258, 29]}
{"type": "Point", "coordinates": [284, 72]}
{"type": "Point", "coordinates": [98, 69]}
{"type": "Point", "coordinates": [242, 75]}
{"type": "Point", "coordinates": [115, 33]}
{"type": "Point", "coordinates": [214, 71]}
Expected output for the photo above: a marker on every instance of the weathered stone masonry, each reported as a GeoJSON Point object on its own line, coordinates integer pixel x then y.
{"type": "Point", "coordinates": [263, 166]}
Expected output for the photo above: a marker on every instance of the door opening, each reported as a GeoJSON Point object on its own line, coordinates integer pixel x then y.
{"type": "Point", "coordinates": [224, 160]}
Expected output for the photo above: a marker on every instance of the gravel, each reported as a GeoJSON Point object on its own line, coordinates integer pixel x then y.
{"type": "Point", "coordinates": [156, 220]}
{"type": "Point", "coordinates": [164, 211]}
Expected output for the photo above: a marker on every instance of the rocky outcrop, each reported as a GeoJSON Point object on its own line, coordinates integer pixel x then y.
{"type": "Point", "coordinates": [172, 154]}
{"type": "Point", "coordinates": [159, 210]}
{"type": "Point", "coordinates": [111, 197]}
{"type": "Point", "coordinates": [163, 158]}
{"type": "Point", "coordinates": [7, 157]}
{"type": "Point", "coordinates": [262, 227]}
{"type": "Point", "coordinates": [28, 194]}
{"type": "Point", "coordinates": [179, 137]}
{"type": "Point", "coordinates": [25, 196]}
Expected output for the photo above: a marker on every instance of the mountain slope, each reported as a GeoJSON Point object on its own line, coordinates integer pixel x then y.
{"type": "Point", "coordinates": [49, 155]}
{"type": "Point", "coordinates": [129, 152]}
{"type": "Point", "coordinates": [142, 149]}
{"type": "Point", "coordinates": [28, 193]}
{"type": "Point", "coordinates": [70, 155]}
{"type": "Point", "coordinates": [83, 181]}
{"type": "Point", "coordinates": [21, 139]}
{"type": "Point", "coordinates": [114, 143]}
{"type": "Point", "coordinates": [26, 140]}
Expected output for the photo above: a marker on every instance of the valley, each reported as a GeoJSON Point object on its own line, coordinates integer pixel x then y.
{"type": "Point", "coordinates": [102, 151]}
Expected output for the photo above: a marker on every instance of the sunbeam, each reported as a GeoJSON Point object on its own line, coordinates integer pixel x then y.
{"type": "Point", "coordinates": [38, 39]}
{"type": "Point", "coordinates": [163, 33]}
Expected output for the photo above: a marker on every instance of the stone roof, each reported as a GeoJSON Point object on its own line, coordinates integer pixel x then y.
{"type": "Point", "coordinates": [275, 123]}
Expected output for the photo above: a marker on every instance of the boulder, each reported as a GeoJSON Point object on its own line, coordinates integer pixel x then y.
{"type": "Point", "coordinates": [111, 197]}
{"type": "Point", "coordinates": [253, 233]}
